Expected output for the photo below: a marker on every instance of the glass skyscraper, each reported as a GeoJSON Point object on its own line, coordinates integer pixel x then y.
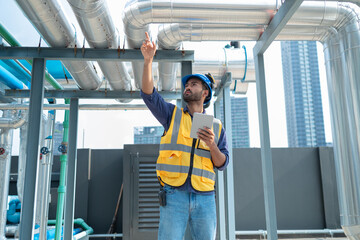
{"type": "Point", "coordinates": [304, 115]}
{"type": "Point", "coordinates": [239, 122]}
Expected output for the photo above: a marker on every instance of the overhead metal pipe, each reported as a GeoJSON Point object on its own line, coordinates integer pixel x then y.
{"type": "Point", "coordinates": [14, 122]}
{"type": "Point", "coordinates": [97, 25]}
{"type": "Point", "coordinates": [51, 22]}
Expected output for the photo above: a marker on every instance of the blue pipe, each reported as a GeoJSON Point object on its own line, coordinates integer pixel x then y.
{"type": "Point", "coordinates": [9, 80]}
{"type": "Point", "coordinates": [17, 71]}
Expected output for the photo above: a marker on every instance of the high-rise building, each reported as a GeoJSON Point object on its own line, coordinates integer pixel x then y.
{"type": "Point", "coordinates": [304, 115]}
{"type": "Point", "coordinates": [148, 135]}
{"type": "Point", "coordinates": [239, 122]}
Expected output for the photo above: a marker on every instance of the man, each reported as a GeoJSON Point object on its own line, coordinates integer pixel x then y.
{"type": "Point", "coordinates": [185, 167]}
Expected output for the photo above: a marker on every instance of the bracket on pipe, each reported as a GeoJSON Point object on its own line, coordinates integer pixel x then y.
{"type": "Point", "coordinates": [225, 81]}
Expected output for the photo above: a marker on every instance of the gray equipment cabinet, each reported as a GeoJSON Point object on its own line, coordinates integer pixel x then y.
{"type": "Point", "coordinates": [141, 204]}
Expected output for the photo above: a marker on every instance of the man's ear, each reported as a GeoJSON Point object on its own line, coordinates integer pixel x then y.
{"type": "Point", "coordinates": [205, 93]}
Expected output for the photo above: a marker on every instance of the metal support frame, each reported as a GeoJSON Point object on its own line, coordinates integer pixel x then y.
{"type": "Point", "coordinates": [94, 94]}
{"type": "Point", "coordinates": [278, 22]}
{"type": "Point", "coordinates": [186, 69]}
{"type": "Point", "coordinates": [225, 187]}
{"type": "Point", "coordinates": [32, 148]}
{"type": "Point", "coordinates": [71, 169]}
{"type": "Point", "coordinates": [92, 54]}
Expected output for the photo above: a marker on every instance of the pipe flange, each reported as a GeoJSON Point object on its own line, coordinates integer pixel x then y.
{"type": "Point", "coordinates": [62, 148]}
{"type": "Point", "coordinates": [44, 150]}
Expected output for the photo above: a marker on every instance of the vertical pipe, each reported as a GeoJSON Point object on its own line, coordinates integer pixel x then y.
{"type": "Point", "coordinates": [62, 181]}
{"type": "Point", "coordinates": [5, 163]}
{"type": "Point", "coordinates": [350, 45]}
{"type": "Point", "coordinates": [220, 189]}
{"type": "Point", "coordinates": [229, 171]}
{"type": "Point", "coordinates": [266, 157]}
{"type": "Point", "coordinates": [71, 173]}
{"type": "Point", "coordinates": [338, 71]}
{"type": "Point", "coordinates": [32, 149]}
{"type": "Point", "coordinates": [47, 161]}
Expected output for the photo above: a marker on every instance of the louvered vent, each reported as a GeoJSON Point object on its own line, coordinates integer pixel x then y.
{"type": "Point", "coordinates": [148, 216]}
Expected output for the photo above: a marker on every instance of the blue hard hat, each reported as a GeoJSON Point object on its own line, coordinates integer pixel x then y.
{"type": "Point", "coordinates": [205, 78]}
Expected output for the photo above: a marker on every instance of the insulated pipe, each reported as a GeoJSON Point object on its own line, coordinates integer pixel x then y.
{"type": "Point", "coordinates": [337, 74]}
{"type": "Point", "coordinates": [15, 122]}
{"type": "Point", "coordinates": [14, 43]}
{"type": "Point", "coordinates": [5, 162]}
{"type": "Point", "coordinates": [99, 30]}
{"type": "Point", "coordinates": [49, 19]}
{"type": "Point", "coordinates": [46, 160]}
{"type": "Point", "coordinates": [349, 39]}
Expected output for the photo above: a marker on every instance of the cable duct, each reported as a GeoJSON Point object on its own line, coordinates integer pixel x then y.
{"type": "Point", "coordinates": [335, 24]}
{"type": "Point", "coordinates": [51, 22]}
{"type": "Point", "coordinates": [99, 30]}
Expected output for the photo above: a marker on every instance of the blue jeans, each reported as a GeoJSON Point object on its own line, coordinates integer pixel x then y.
{"type": "Point", "coordinates": [181, 207]}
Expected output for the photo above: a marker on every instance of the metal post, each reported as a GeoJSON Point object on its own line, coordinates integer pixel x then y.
{"type": "Point", "coordinates": [278, 22]}
{"type": "Point", "coordinates": [266, 158]}
{"type": "Point", "coordinates": [229, 172]}
{"type": "Point", "coordinates": [220, 192]}
{"type": "Point", "coordinates": [71, 169]}
{"type": "Point", "coordinates": [186, 69]}
{"type": "Point", "coordinates": [32, 148]}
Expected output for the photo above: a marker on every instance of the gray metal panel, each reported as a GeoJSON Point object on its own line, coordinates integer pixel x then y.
{"type": "Point", "coordinates": [141, 206]}
{"type": "Point", "coordinates": [329, 187]}
{"type": "Point", "coordinates": [298, 189]}
{"type": "Point", "coordinates": [106, 177]}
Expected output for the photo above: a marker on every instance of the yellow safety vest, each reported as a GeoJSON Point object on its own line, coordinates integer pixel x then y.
{"type": "Point", "coordinates": [181, 156]}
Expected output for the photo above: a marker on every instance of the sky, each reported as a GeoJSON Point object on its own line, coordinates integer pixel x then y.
{"type": "Point", "coordinates": [113, 129]}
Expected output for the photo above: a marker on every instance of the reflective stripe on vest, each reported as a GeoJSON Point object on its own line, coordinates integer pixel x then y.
{"type": "Point", "coordinates": [175, 152]}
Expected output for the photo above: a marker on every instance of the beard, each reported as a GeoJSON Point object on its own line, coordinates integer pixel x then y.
{"type": "Point", "coordinates": [192, 97]}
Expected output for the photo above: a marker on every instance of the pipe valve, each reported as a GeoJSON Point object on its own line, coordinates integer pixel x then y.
{"type": "Point", "coordinates": [2, 151]}
{"type": "Point", "coordinates": [62, 148]}
{"type": "Point", "coordinates": [44, 150]}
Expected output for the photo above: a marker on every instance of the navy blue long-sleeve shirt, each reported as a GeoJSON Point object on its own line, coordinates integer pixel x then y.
{"type": "Point", "coordinates": [163, 111]}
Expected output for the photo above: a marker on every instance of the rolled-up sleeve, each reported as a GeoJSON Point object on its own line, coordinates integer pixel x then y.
{"type": "Point", "coordinates": [223, 147]}
{"type": "Point", "coordinates": [161, 109]}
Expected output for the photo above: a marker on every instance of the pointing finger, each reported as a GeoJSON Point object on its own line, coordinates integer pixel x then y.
{"type": "Point", "coordinates": [147, 36]}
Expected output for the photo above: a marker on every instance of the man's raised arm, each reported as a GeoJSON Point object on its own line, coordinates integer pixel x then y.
{"type": "Point", "coordinates": [148, 50]}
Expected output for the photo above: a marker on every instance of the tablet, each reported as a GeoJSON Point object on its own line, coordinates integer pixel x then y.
{"type": "Point", "coordinates": [200, 121]}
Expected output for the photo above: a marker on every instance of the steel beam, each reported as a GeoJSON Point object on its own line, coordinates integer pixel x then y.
{"type": "Point", "coordinates": [229, 171]}
{"type": "Point", "coordinates": [92, 54]}
{"type": "Point", "coordinates": [71, 169]}
{"type": "Point", "coordinates": [220, 190]}
{"type": "Point", "coordinates": [276, 25]}
{"type": "Point", "coordinates": [286, 11]}
{"type": "Point", "coordinates": [32, 149]}
{"type": "Point", "coordinates": [96, 94]}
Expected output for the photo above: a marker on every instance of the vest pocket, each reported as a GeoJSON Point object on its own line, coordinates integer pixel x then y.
{"type": "Point", "coordinates": [169, 164]}
{"type": "Point", "coordinates": [208, 170]}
